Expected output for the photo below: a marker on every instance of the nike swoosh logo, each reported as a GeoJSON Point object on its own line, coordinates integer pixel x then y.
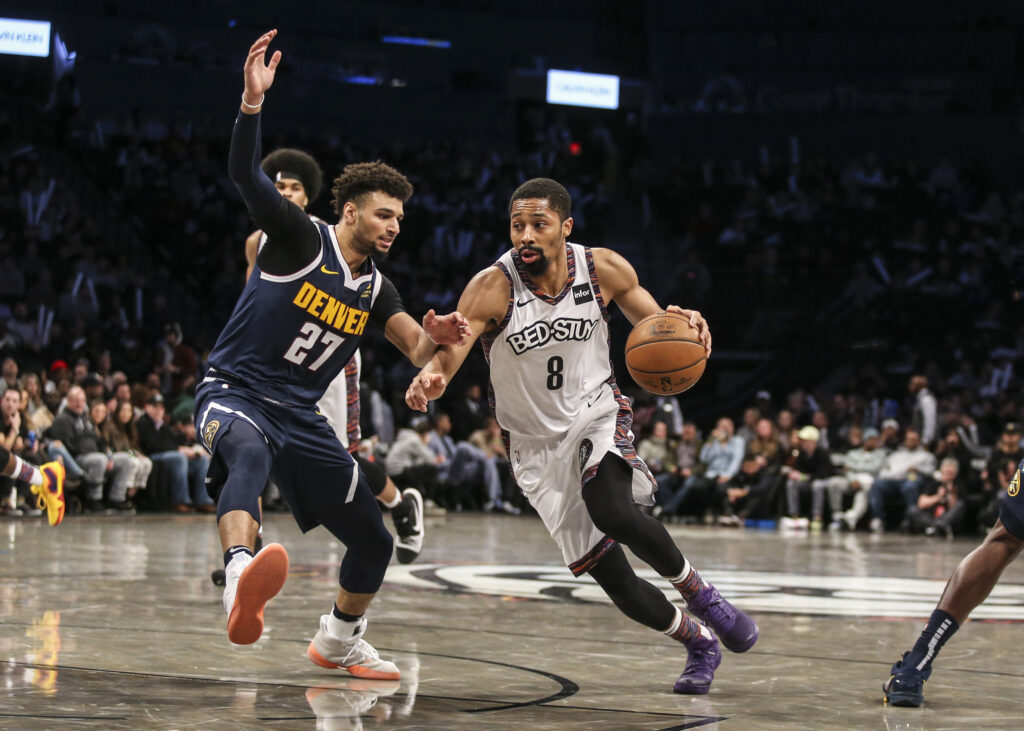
{"type": "Point", "coordinates": [325, 270]}
{"type": "Point", "coordinates": [520, 303]}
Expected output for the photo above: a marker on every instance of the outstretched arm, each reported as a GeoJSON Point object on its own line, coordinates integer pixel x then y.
{"type": "Point", "coordinates": [619, 283]}
{"type": "Point", "coordinates": [483, 303]}
{"type": "Point", "coordinates": [420, 343]}
{"type": "Point", "coordinates": [292, 239]}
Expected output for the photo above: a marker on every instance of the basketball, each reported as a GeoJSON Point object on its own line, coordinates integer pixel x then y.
{"type": "Point", "coordinates": [664, 355]}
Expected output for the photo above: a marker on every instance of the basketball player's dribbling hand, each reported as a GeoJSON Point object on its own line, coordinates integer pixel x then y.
{"type": "Point", "coordinates": [424, 388]}
{"type": "Point", "coordinates": [697, 322]}
{"type": "Point", "coordinates": [259, 76]}
{"type": "Point", "coordinates": [451, 329]}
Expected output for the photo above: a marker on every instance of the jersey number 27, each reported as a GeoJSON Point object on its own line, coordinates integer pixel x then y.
{"type": "Point", "coordinates": [300, 348]}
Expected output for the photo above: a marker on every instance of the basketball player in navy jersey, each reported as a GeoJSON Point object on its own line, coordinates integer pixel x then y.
{"type": "Point", "coordinates": [969, 586]}
{"type": "Point", "coordinates": [298, 177]}
{"type": "Point", "coordinates": [542, 312]}
{"type": "Point", "coordinates": [299, 319]}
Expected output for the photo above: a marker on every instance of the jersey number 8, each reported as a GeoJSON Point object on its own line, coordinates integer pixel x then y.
{"type": "Point", "coordinates": [555, 377]}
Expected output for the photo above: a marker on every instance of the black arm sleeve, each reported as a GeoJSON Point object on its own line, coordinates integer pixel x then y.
{"type": "Point", "coordinates": [292, 239]}
{"type": "Point", "coordinates": [388, 304]}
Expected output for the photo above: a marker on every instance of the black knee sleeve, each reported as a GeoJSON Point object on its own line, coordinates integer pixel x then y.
{"type": "Point", "coordinates": [360, 526]}
{"type": "Point", "coordinates": [376, 477]}
{"type": "Point", "coordinates": [242, 467]}
{"type": "Point", "coordinates": [637, 599]}
{"type": "Point", "coordinates": [609, 500]}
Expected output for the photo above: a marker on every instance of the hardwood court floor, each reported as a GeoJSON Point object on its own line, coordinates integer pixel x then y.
{"type": "Point", "coordinates": [113, 623]}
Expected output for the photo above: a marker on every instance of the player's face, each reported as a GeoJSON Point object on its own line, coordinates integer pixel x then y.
{"type": "Point", "coordinates": [537, 233]}
{"type": "Point", "coordinates": [294, 191]}
{"type": "Point", "coordinates": [376, 221]}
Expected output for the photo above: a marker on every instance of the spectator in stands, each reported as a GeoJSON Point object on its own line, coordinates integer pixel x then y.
{"type": "Point", "coordinates": [76, 431]}
{"type": "Point", "coordinates": [122, 435]}
{"type": "Point", "coordinates": [811, 472]}
{"type": "Point", "coordinates": [411, 461]}
{"type": "Point", "coordinates": [721, 457]}
{"type": "Point", "coordinates": [8, 374]}
{"type": "Point", "coordinates": [120, 464]}
{"type": "Point", "coordinates": [488, 439]}
{"type": "Point", "coordinates": [925, 418]}
{"type": "Point", "coordinates": [951, 446]}
{"type": "Point", "coordinates": [468, 413]}
{"type": "Point", "coordinates": [749, 429]}
{"type": "Point", "coordinates": [465, 469]}
{"type": "Point", "coordinates": [38, 413]}
{"type": "Point", "coordinates": [1004, 460]}
{"type": "Point", "coordinates": [185, 465]}
{"type": "Point", "coordinates": [900, 480]}
{"type": "Point", "coordinates": [861, 465]}
{"type": "Point", "coordinates": [940, 508]}
{"type": "Point", "coordinates": [658, 452]}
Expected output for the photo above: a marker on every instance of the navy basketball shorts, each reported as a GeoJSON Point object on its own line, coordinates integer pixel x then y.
{"type": "Point", "coordinates": [1011, 512]}
{"type": "Point", "coordinates": [311, 468]}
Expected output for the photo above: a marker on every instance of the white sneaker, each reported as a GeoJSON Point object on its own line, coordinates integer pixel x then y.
{"type": "Point", "coordinates": [877, 526]}
{"type": "Point", "coordinates": [355, 655]}
{"type": "Point", "coordinates": [249, 583]}
{"type": "Point", "coordinates": [410, 532]}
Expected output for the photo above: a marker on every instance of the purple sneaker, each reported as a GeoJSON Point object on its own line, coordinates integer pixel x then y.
{"type": "Point", "coordinates": [734, 628]}
{"type": "Point", "coordinates": [704, 658]}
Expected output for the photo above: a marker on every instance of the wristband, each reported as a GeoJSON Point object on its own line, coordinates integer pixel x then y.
{"type": "Point", "coordinates": [253, 106]}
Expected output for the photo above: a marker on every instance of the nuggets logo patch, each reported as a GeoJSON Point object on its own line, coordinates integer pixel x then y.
{"type": "Point", "coordinates": [586, 448]}
{"type": "Point", "coordinates": [1014, 487]}
{"type": "Point", "coordinates": [209, 432]}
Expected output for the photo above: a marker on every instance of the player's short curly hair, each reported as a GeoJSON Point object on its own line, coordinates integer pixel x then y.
{"type": "Point", "coordinates": [360, 178]}
{"type": "Point", "coordinates": [296, 162]}
{"type": "Point", "coordinates": [557, 196]}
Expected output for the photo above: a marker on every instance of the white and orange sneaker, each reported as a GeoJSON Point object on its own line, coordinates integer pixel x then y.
{"type": "Point", "coordinates": [249, 584]}
{"type": "Point", "coordinates": [354, 655]}
{"type": "Point", "coordinates": [51, 492]}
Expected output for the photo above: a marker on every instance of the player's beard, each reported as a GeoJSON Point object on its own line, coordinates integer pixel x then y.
{"type": "Point", "coordinates": [538, 266]}
{"type": "Point", "coordinates": [367, 246]}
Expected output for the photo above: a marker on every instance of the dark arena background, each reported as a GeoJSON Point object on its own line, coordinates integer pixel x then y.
{"type": "Point", "coordinates": [835, 186]}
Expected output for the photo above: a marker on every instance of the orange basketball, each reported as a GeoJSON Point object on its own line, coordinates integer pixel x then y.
{"type": "Point", "coordinates": [664, 354]}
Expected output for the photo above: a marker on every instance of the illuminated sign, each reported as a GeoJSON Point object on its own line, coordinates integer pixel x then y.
{"type": "Point", "coordinates": [24, 37]}
{"type": "Point", "coordinates": [583, 90]}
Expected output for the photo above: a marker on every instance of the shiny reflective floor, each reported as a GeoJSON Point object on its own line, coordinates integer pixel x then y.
{"type": "Point", "coordinates": [114, 623]}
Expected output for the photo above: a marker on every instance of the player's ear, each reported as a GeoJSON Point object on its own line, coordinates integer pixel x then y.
{"type": "Point", "coordinates": [567, 227]}
{"type": "Point", "coordinates": [349, 212]}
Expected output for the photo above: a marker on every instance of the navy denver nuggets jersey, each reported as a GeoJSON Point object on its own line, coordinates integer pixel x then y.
{"type": "Point", "coordinates": [296, 336]}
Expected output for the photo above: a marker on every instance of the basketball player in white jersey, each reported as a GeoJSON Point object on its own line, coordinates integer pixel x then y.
{"type": "Point", "coordinates": [298, 177]}
{"type": "Point", "coordinates": [542, 310]}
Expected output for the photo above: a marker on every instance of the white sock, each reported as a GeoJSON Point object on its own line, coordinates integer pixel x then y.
{"type": "Point", "coordinates": [339, 629]}
{"type": "Point", "coordinates": [20, 467]}
{"type": "Point", "coordinates": [682, 577]}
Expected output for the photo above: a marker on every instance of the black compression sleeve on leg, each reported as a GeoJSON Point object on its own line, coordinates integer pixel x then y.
{"type": "Point", "coordinates": [639, 600]}
{"type": "Point", "coordinates": [609, 500]}
{"type": "Point", "coordinates": [375, 474]}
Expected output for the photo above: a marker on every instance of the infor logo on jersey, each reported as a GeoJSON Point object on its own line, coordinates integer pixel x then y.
{"type": "Point", "coordinates": [540, 333]}
{"type": "Point", "coordinates": [582, 293]}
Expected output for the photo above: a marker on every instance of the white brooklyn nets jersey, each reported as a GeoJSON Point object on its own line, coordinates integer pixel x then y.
{"type": "Point", "coordinates": [554, 395]}
{"type": "Point", "coordinates": [551, 353]}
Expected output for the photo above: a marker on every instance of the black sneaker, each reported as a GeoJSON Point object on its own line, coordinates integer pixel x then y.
{"type": "Point", "coordinates": [905, 686]}
{"type": "Point", "coordinates": [122, 507]}
{"type": "Point", "coordinates": [96, 507]}
{"type": "Point", "coordinates": [410, 527]}
{"type": "Point", "coordinates": [218, 577]}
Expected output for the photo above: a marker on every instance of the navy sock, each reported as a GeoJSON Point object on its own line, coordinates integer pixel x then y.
{"type": "Point", "coordinates": [234, 551]}
{"type": "Point", "coordinates": [940, 628]}
{"type": "Point", "coordinates": [338, 614]}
